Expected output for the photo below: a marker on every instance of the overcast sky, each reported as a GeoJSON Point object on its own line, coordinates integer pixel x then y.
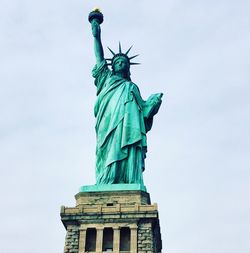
{"type": "Point", "coordinates": [197, 169]}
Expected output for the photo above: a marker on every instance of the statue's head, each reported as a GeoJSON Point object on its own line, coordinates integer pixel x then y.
{"type": "Point", "coordinates": [121, 62]}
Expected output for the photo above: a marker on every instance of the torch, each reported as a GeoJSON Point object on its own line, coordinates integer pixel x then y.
{"type": "Point", "coordinates": [97, 15]}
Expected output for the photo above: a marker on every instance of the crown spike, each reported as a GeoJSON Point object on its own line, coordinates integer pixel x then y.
{"type": "Point", "coordinates": [119, 54]}
{"type": "Point", "coordinates": [112, 52]}
{"type": "Point", "coordinates": [128, 50]}
{"type": "Point", "coordinates": [120, 48]}
{"type": "Point", "coordinates": [132, 57]}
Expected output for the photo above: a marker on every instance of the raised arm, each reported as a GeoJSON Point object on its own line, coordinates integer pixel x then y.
{"type": "Point", "coordinates": [96, 31]}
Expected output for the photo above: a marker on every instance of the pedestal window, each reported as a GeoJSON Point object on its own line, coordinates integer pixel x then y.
{"type": "Point", "coordinates": [107, 245]}
{"type": "Point", "coordinates": [125, 239]}
{"type": "Point", "coordinates": [90, 245]}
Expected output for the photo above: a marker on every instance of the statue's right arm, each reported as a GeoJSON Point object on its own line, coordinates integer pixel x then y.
{"type": "Point", "coordinates": [96, 31]}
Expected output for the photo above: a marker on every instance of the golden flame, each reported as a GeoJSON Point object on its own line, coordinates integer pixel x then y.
{"type": "Point", "coordinates": [97, 9]}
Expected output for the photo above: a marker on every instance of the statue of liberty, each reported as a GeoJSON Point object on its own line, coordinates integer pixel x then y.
{"type": "Point", "coordinates": [122, 117]}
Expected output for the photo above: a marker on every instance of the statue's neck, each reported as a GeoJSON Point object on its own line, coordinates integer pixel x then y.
{"type": "Point", "coordinates": [122, 75]}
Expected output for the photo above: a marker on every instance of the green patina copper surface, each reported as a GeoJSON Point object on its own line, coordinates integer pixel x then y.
{"type": "Point", "coordinates": [113, 187]}
{"type": "Point", "coordinates": [122, 117]}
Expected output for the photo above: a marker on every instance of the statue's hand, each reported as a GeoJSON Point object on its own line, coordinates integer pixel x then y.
{"type": "Point", "coordinates": [96, 30]}
{"type": "Point", "coordinates": [152, 105]}
{"type": "Point", "coordinates": [156, 106]}
{"type": "Point", "coordinates": [155, 99]}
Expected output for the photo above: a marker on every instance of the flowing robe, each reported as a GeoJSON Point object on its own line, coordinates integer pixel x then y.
{"type": "Point", "coordinates": [121, 128]}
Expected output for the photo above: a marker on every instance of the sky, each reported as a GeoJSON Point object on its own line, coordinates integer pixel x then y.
{"type": "Point", "coordinates": [197, 167]}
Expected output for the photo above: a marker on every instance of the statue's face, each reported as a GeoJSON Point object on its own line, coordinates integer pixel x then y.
{"type": "Point", "coordinates": [121, 64]}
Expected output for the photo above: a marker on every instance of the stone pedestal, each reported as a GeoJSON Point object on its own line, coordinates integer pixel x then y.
{"type": "Point", "coordinates": [112, 221]}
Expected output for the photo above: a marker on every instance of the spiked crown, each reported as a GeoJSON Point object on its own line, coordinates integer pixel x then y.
{"type": "Point", "coordinates": [125, 55]}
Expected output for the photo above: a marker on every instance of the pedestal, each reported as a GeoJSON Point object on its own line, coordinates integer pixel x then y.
{"type": "Point", "coordinates": [120, 221]}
